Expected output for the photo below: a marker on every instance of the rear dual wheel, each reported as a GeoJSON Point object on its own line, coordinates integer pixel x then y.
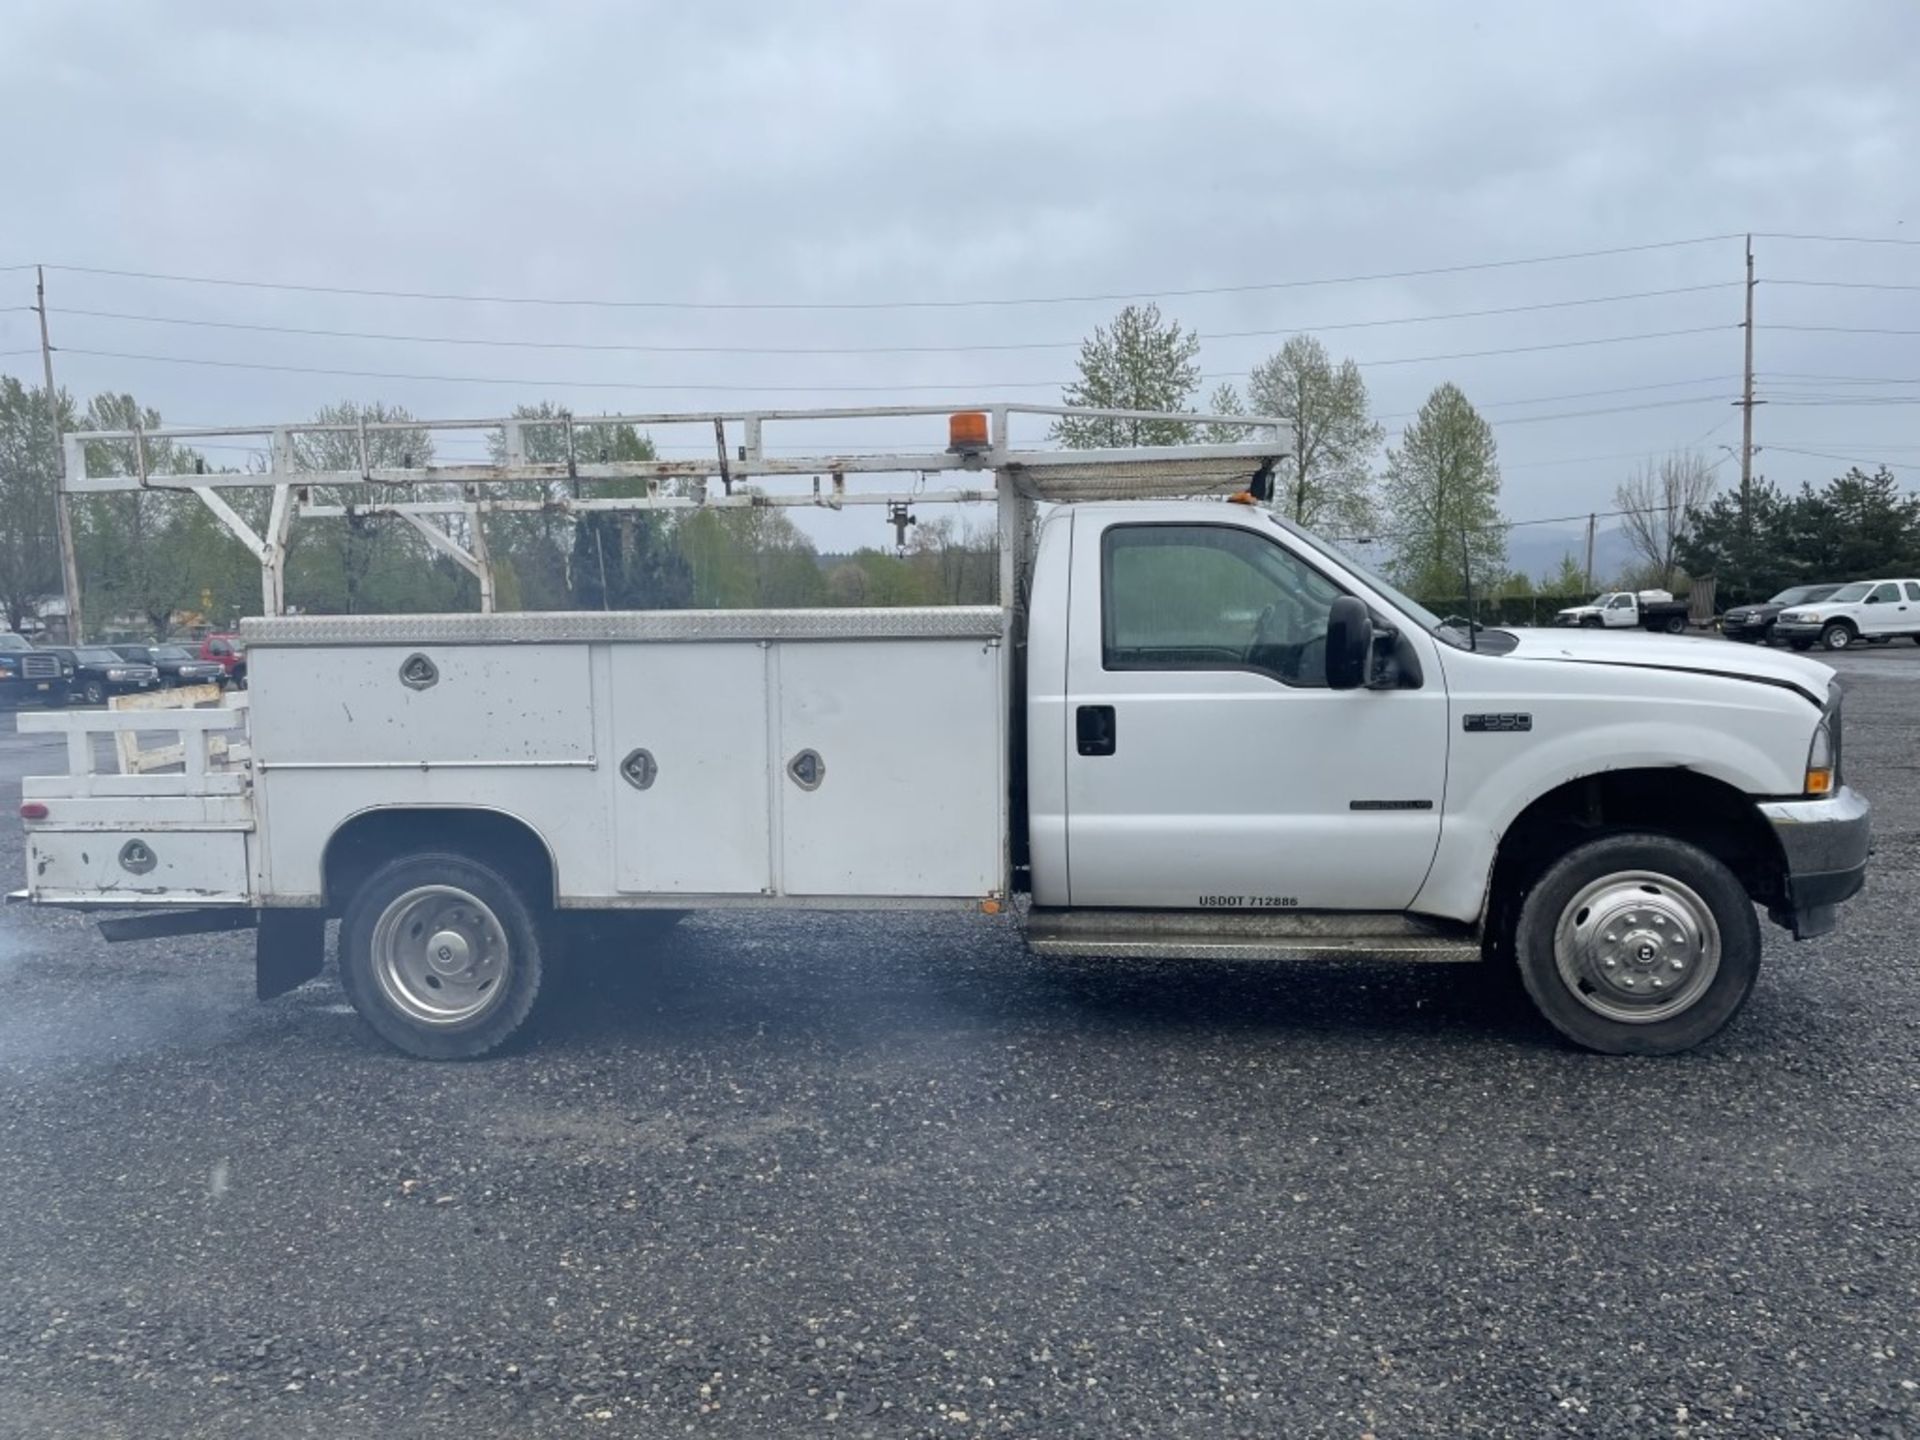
{"type": "Point", "coordinates": [1638, 944]}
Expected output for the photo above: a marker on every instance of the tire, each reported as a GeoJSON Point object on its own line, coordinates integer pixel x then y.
{"type": "Point", "coordinates": [94, 693]}
{"type": "Point", "coordinates": [1836, 636]}
{"type": "Point", "coordinates": [1801, 645]}
{"type": "Point", "coordinates": [453, 1006]}
{"type": "Point", "coordinates": [1688, 911]}
{"type": "Point", "coordinates": [1590, 623]}
{"type": "Point", "coordinates": [1675, 625]}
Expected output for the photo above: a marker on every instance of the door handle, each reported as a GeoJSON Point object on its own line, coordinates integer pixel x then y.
{"type": "Point", "coordinates": [1095, 726]}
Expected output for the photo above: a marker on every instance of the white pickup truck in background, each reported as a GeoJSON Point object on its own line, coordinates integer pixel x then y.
{"type": "Point", "coordinates": [1628, 610]}
{"type": "Point", "coordinates": [1191, 729]}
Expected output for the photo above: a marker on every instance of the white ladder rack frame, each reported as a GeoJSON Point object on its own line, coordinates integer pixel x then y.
{"type": "Point", "coordinates": [1019, 478]}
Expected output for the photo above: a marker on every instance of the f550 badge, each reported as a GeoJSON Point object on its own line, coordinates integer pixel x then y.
{"type": "Point", "coordinates": [1509, 722]}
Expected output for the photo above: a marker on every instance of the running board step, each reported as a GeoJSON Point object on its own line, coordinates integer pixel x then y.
{"type": "Point", "coordinates": [1243, 935]}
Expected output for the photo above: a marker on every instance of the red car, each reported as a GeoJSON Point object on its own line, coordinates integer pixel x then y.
{"type": "Point", "coordinates": [231, 656]}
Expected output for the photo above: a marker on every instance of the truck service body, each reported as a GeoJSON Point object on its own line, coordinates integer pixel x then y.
{"type": "Point", "coordinates": [1190, 729]}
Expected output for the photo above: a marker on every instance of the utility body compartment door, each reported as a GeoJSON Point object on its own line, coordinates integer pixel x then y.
{"type": "Point", "coordinates": [689, 769]}
{"type": "Point", "coordinates": [1207, 764]}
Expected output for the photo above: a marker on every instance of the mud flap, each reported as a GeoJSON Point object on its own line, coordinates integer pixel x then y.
{"type": "Point", "coordinates": [289, 949]}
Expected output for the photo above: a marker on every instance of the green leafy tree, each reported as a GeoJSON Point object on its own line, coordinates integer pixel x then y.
{"type": "Point", "coordinates": [1443, 491]}
{"type": "Point", "coordinates": [135, 564]}
{"type": "Point", "coordinates": [1139, 362]}
{"type": "Point", "coordinates": [362, 562]}
{"type": "Point", "coordinates": [29, 546]}
{"type": "Point", "coordinates": [1326, 481]}
{"type": "Point", "coordinates": [1568, 578]}
{"type": "Point", "coordinates": [749, 556]}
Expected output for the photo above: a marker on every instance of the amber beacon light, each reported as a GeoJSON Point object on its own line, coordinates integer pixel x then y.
{"type": "Point", "coordinates": [967, 432]}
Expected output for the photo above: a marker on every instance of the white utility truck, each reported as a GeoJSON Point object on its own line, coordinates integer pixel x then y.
{"type": "Point", "coordinates": [1628, 610]}
{"type": "Point", "coordinates": [1189, 729]}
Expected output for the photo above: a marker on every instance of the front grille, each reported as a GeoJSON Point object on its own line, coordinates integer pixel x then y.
{"type": "Point", "coordinates": [40, 667]}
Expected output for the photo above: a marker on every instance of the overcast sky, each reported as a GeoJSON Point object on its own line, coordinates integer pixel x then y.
{"type": "Point", "coordinates": [761, 153]}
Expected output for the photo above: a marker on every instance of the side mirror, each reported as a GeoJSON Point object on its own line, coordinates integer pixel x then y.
{"type": "Point", "coordinates": [1349, 643]}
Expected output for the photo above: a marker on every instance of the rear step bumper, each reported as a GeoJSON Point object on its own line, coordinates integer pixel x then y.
{"type": "Point", "coordinates": [1247, 935]}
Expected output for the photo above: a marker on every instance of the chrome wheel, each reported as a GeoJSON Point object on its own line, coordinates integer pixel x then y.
{"type": "Point", "coordinates": [1836, 637]}
{"type": "Point", "coordinates": [1637, 947]}
{"type": "Point", "coordinates": [440, 956]}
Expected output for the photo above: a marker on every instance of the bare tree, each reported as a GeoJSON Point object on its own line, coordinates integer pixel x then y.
{"type": "Point", "coordinates": [1657, 503]}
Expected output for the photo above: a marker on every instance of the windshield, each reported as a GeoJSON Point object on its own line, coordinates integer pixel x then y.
{"type": "Point", "coordinates": [95, 655]}
{"type": "Point", "coordinates": [1847, 594]}
{"type": "Point", "coordinates": [170, 652]}
{"type": "Point", "coordinates": [10, 641]}
{"type": "Point", "coordinates": [1802, 595]}
{"type": "Point", "coordinates": [1419, 613]}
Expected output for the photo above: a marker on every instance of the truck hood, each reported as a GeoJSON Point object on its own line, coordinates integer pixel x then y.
{"type": "Point", "coordinates": [1676, 652]}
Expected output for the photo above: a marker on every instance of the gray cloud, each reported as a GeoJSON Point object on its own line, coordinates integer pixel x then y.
{"type": "Point", "coordinates": [744, 152]}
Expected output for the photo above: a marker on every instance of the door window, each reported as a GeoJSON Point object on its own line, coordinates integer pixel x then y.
{"type": "Point", "coordinates": [1913, 591]}
{"type": "Point", "coordinates": [1212, 597]}
{"type": "Point", "coordinates": [1621, 602]}
{"type": "Point", "coordinates": [1884, 594]}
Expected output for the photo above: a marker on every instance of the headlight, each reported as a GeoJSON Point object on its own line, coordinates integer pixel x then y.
{"type": "Point", "coordinates": [1812, 617]}
{"type": "Point", "coordinates": [1823, 755]}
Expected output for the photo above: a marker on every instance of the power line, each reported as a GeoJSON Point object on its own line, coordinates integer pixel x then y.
{"type": "Point", "coordinates": [1844, 329]}
{"type": "Point", "coordinates": [1814, 239]}
{"type": "Point", "coordinates": [825, 389]}
{"type": "Point", "coordinates": [1841, 284]}
{"type": "Point", "coordinates": [1165, 294]}
{"type": "Point", "coordinates": [1843, 459]}
{"type": "Point", "coordinates": [651, 349]}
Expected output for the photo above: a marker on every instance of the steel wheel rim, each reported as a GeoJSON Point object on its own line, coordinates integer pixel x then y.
{"type": "Point", "coordinates": [1838, 638]}
{"type": "Point", "coordinates": [440, 955]}
{"type": "Point", "coordinates": [1637, 947]}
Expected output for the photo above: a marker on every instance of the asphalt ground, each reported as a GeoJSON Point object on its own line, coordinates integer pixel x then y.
{"type": "Point", "coordinates": [888, 1175]}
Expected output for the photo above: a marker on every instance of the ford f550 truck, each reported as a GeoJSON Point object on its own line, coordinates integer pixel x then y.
{"type": "Point", "coordinates": [1191, 729]}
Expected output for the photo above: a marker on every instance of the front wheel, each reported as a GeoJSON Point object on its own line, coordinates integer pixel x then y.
{"type": "Point", "coordinates": [1638, 944]}
{"type": "Point", "coordinates": [441, 955]}
{"type": "Point", "coordinates": [94, 693]}
{"type": "Point", "coordinates": [1837, 636]}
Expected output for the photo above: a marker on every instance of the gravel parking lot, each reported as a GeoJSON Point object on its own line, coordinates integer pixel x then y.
{"type": "Point", "coordinates": [888, 1175]}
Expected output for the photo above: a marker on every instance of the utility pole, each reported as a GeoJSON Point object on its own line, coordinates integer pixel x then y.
{"type": "Point", "coordinates": [1591, 518]}
{"type": "Point", "coordinates": [1746, 405]}
{"type": "Point", "coordinates": [62, 516]}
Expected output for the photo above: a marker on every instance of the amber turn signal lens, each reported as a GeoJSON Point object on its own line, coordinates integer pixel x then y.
{"type": "Point", "coordinates": [1819, 782]}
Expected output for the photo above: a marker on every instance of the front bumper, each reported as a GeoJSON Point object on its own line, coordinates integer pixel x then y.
{"type": "Point", "coordinates": [1826, 843]}
{"type": "Point", "coordinates": [1796, 630]}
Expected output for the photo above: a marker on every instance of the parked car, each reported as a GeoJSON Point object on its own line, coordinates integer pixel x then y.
{"type": "Point", "coordinates": [29, 676]}
{"type": "Point", "coordinates": [177, 664]}
{"type": "Point", "coordinates": [1755, 622]}
{"type": "Point", "coordinates": [99, 672]}
{"type": "Point", "coordinates": [1628, 609]}
{"type": "Point", "coordinates": [1876, 610]}
{"type": "Point", "coordinates": [230, 654]}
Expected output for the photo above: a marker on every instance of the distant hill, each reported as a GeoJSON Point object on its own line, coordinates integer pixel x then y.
{"type": "Point", "coordinates": [1535, 550]}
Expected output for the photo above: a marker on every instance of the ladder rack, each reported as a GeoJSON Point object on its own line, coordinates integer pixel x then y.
{"type": "Point", "coordinates": [1018, 478]}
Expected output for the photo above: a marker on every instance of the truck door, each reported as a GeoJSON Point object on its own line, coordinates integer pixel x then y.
{"type": "Point", "coordinates": [1208, 764]}
{"type": "Point", "coordinates": [1885, 611]}
{"type": "Point", "coordinates": [1621, 612]}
